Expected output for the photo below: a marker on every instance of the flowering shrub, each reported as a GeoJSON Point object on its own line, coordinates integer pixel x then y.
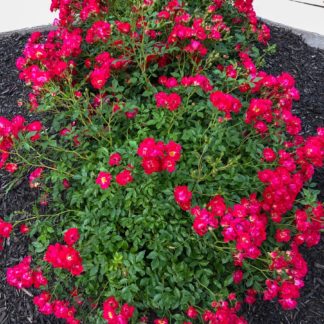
{"type": "Point", "coordinates": [171, 165]}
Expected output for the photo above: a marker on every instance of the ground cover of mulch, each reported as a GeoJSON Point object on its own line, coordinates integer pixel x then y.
{"type": "Point", "coordinates": [306, 64]}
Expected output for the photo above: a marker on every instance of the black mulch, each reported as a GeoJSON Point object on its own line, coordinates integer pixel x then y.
{"type": "Point", "coordinates": [294, 56]}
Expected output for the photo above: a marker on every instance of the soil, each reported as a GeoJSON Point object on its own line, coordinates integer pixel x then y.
{"type": "Point", "coordinates": [306, 64]}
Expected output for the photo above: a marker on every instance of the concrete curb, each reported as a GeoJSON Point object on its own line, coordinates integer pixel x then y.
{"type": "Point", "coordinates": [311, 39]}
{"type": "Point", "coordinates": [24, 31]}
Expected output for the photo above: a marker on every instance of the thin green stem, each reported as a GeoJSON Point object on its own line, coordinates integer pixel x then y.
{"type": "Point", "coordinates": [41, 216]}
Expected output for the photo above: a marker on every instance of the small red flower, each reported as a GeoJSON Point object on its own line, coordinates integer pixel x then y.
{"type": "Point", "coordinates": [173, 150]}
{"type": "Point", "coordinates": [64, 257]}
{"type": "Point", "coordinates": [104, 180]}
{"type": "Point", "coordinates": [282, 235]}
{"type": "Point", "coordinates": [35, 126]}
{"type": "Point", "coordinates": [269, 154]}
{"type": "Point", "coordinates": [123, 27]}
{"type": "Point", "coordinates": [237, 276]}
{"type": "Point", "coordinates": [182, 196]}
{"type": "Point", "coordinates": [66, 183]}
{"type": "Point", "coordinates": [71, 236]}
{"type": "Point", "coordinates": [225, 102]}
{"type": "Point", "coordinates": [5, 228]}
{"type": "Point", "coordinates": [124, 177]}
{"type": "Point", "coordinates": [39, 279]}
{"type": "Point", "coordinates": [169, 164]}
{"type": "Point", "coordinates": [192, 312]}
{"type": "Point", "coordinates": [151, 165]}
{"type": "Point", "coordinates": [127, 311]}
{"type": "Point", "coordinates": [24, 229]}
{"type": "Point", "coordinates": [115, 159]}
{"type": "Point", "coordinates": [34, 176]}
{"type": "Point", "coordinates": [11, 167]}
{"type": "Point", "coordinates": [169, 101]}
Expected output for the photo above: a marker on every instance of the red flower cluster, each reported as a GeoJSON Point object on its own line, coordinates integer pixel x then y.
{"type": "Point", "coordinates": [101, 72]}
{"type": "Point", "coordinates": [225, 102]}
{"type": "Point", "coordinates": [198, 80]}
{"type": "Point", "coordinates": [203, 220]}
{"type": "Point", "coordinates": [42, 63]}
{"type": "Point", "coordinates": [259, 112]}
{"type": "Point", "coordinates": [10, 130]}
{"type": "Point", "coordinates": [264, 34]}
{"type": "Point", "coordinates": [279, 93]}
{"type": "Point", "coordinates": [110, 308]}
{"type": "Point", "coordinates": [99, 31]}
{"type": "Point", "coordinates": [188, 81]}
{"type": "Point", "coordinates": [246, 7]}
{"type": "Point", "coordinates": [247, 225]}
{"type": "Point", "coordinates": [223, 314]}
{"type": "Point", "coordinates": [281, 191]}
{"type": "Point", "coordinates": [291, 264]}
{"type": "Point", "coordinates": [168, 82]}
{"type": "Point", "coordinates": [65, 256]}
{"type": "Point", "coordinates": [59, 308]}
{"type": "Point", "coordinates": [313, 150]}
{"type": "Point", "coordinates": [22, 276]}
{"type": "Point", "coordinates": [122, 178]}
{"type": "Point", "coordinates": [170, 101]}
{"type": "Point", "coordinates": [158, 156]}
{"type": "Point", "coordinates": [243, 223]}
{"type": "Point", "coordinates": [309, 224]}
{"type": "Point", "coordinates": [191, 38]}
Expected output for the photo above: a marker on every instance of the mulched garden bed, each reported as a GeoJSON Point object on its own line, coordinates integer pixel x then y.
{"type": "Point", "coordinates": [306, 64]}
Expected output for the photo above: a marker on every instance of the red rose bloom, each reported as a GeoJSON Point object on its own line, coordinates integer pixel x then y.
{"type": "Point", "coordinates": [34, 176]}
{"type": "Point", "coordinates": [5, 228]}
{"type": "Point", "coordinates": [99, 31]}
{"type": "Point", "coordinates": [237, 276]}
{"type": "Point", "coordinates": [282, 235]}
{"type": "Point", "coordinates": [151, 165]}
{"type": "Point", "coordinates": [182, 196]}
{"type": "Point", "coordinates": [115, 159]}
{"type": "Point", "coordinates": [124, 177]}
{"type": "Point", "coordinates": [104, 180]}
{"type": "Point", "coordinates": [71, 236]}
{"type": "Point", "coordinates": [173, 150]}
{"type": "Point", "coordinates": [269, 154]}
{"type": "Point", "coordinates": [169, 101]}
{"type": "Point", "coordinates": [192, 312]}
{"type": "Point", "coordinates": [24, 229]}
{"type": "Point", "coordinates": [98, 78]}
{"type": "Point", "coordinates": [123, 27]}
{"type": "Point", "coordinates": [11, 167]}
{"type": "Point", "coordinates": [225, 102]}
